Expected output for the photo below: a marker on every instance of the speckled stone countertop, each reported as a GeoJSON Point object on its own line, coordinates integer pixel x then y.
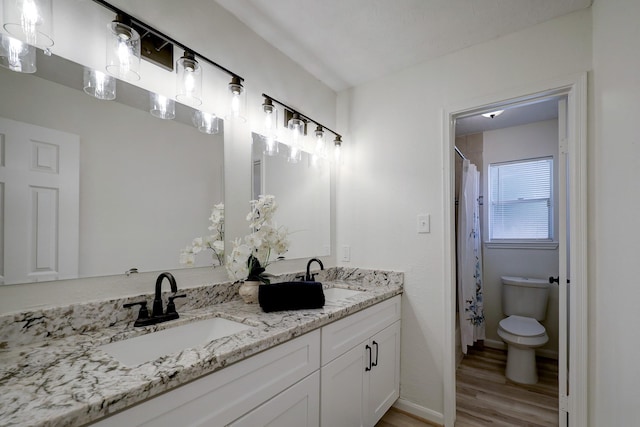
{"type": "Point", "coordinates": [52, 372]}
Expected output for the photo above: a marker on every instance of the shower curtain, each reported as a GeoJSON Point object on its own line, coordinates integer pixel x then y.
{"type": "Point", "coordinates": [469, 263]}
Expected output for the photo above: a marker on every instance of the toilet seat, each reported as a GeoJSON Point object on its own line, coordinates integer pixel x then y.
{"type": "Point", "coordinates": [523, 326]}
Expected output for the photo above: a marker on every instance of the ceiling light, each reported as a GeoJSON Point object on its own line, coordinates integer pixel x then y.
{"type": "Point", "coordinates": [29, 21]}
{"type": "Point", "coordinates": [99, 85]}
{"type": "Point", "coordinates": [162, 107]}
{"type": "Point", "coordinates": [493, 114]}
{"type": "Point", "coordinates": [189, 80]}
{"type": "Point", "coordinates": [16, 55]}
{"type": "Point", "coordinates": [123, 50]}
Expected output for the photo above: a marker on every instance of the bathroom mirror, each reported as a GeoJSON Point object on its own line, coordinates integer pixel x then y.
{"type": "Point", "coordinates": [146, 185]}
{"type": "Point", "coordinates": [302, 192]}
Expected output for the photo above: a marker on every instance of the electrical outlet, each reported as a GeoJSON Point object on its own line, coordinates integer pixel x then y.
{"type": "Point", "coordinates": [424, 225]}
{"type": "Point", "coordinates": [346, 254]}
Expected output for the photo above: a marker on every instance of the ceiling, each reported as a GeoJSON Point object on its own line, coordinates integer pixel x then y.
{"type": "Point", "coordinates": [345, 43]}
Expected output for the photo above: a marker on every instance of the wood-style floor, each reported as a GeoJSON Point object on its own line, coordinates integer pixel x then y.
{"type": "Point", "coordinates": [484, 397]}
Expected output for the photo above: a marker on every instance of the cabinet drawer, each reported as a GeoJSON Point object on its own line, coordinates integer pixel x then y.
{"type": "Point", "coordinates": [224, 396]}
{"type": "Point", "coordinates": [344, 334]}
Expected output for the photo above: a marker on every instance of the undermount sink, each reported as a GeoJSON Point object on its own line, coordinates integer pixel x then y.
{"type": "Point", "coordinates": [145, 348]}
{"type": "Point", "coordinates": [337, 294]}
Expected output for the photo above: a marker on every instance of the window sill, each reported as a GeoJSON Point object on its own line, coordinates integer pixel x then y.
{"type": "Point", "coordinates": [522, 245]}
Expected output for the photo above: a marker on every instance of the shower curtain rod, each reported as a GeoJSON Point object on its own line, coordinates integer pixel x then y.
{"type": "Point", "coordinates": [459, 153]}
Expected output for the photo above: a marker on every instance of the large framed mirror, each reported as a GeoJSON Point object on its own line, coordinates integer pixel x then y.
{"type": "Point", "coordinates": [303, 194]}
{"type": "Point", "coordinates": [146, 186]}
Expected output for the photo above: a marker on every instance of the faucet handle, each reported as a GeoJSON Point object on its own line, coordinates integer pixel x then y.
{"type": "Point", "coordinates": [143, 313]}
{"type": "Point", "coordinates": [171, 307]}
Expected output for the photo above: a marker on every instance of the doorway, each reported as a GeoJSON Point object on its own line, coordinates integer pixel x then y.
{"type": "Point", "coordinates": [572, 325]}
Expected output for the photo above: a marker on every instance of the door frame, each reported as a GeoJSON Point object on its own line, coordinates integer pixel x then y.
{"type": "Point", "coordinates": [575, 88]}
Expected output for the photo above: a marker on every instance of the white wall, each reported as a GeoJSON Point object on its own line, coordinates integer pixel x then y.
{"type": "Point", "coordinates": [528, 141]}
{"type": "Point", "coordinates": [614, 204]}
{"type": "Point", "coordinates": [392, 171]}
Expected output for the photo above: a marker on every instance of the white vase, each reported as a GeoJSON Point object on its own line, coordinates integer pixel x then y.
{"type": "Point", "coordinates": [249, 291]}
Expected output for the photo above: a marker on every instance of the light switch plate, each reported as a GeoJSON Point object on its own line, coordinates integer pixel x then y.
{"type": "Point", "coordinates": [346, 254]}
{"type": "Point", "coordinates": [424, 225]}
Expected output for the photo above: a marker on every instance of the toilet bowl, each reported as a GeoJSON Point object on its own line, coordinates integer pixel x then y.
{"type": "Point", "coordinates": [522, 336]}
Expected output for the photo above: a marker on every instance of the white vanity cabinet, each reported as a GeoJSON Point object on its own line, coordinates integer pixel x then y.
{"type": "Point", "coordinates": [360, 373]}
{"type": "Point", "coordinates": [225, 396]}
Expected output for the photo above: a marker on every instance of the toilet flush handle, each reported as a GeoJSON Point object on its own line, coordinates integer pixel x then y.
{"type": "Point", "coordinates": [556, 280]}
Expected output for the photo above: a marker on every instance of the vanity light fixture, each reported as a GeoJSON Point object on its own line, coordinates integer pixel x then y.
{"type": "Point", "coordinates": [270, 127]}
{"type": "Point", "coordinates": [206, 122]}
{"type": "Point", "coordinates": [337, 151]}
{"type": "Point", "coordinates": [99, 85]}
{"type": "Point", "coordinates": [493, 114]}
{"type": "Point", "coordinates": [297, 125]}
{"type": "Point", "coordinates": [161, 106]}
{"type": "Point", "coordinates": [16, 55]}
{"type": "Point", "coordinates": [238, 99]}
{"type": "Point", "coordinates": [123, 49]}
{"type": "Point", "coordinates": [30, 21]}
{"type": "Point", "coordinates": [189, 80]}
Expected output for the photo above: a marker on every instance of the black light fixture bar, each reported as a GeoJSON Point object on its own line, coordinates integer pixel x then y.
{"type": "Point", "coordinates": [166, 39]}
{"type": "Point", "coordinates": [302, 116]}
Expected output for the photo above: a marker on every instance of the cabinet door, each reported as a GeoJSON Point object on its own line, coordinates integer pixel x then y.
{"type": "Point", "coordinates": [382, 383]}
{"type": "Point", "coordinates": [341, 393]}
{"type": "Point", "coordinates": [298, 406]}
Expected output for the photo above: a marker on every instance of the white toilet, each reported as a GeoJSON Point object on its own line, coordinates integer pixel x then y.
{"type": "Point", "coordinates": [524, 301]}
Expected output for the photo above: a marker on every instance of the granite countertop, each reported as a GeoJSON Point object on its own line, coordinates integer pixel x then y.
{"type": "Point", "coordinates": [52, 372]}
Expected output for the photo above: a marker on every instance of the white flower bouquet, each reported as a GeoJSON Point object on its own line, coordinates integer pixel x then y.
{"type": "Point", "coordinates": [214, 241]}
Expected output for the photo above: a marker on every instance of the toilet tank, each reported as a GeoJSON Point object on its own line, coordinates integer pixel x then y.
{"type": "Point", "coordinates": [525, 296]}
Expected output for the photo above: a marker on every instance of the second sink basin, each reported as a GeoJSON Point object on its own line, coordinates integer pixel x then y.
{"type": "Point", "coordinates": [337, 294]}
{"type": "Point", "coordinates": [145, 348]}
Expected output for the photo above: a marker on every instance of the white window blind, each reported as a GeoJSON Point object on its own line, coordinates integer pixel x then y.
{"type": "Point", "coordinates": [521, 203]}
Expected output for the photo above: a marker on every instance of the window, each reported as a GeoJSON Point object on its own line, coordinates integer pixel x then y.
{"type": "Point", "coordinates": [521, 202]}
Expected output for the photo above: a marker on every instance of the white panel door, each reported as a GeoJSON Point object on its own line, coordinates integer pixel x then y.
{"type": "Point", "coordinates": [39, 187]}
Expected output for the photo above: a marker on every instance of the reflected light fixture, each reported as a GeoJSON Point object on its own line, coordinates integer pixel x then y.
{"type": "Point", "coordinates": [29, 21]}
{"type": "Point", "coordinates": [205, 122]}
{"type": "Point", "coordinates": [16, 55]}
{"type": "Point", "coordinates": [123, 49]}
{"type": "Point", "coordinates": [161, 106]}
{"type": "Point", "coordinates": [270, 127]}
{"type": "Point", "coordinates": [237, 98]}
{"type": "Point", "coordinates": [493, 114]}
{"type": "Point", "coordinates": [99, 85]}
{"type": "Point", "coordinates": [189, 80]}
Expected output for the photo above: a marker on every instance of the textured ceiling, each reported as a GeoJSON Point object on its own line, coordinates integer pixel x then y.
{"type": "Point", "coordinates": [347, 42]}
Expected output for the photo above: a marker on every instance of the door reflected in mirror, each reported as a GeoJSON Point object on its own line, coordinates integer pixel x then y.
{"type": "Point", "coordinates": [302, 192]}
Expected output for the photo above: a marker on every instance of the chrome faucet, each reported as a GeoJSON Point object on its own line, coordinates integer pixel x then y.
{"type": "Point", "coordinates": [157, 315]}
{"type": "Point", "coordinates": [311, 277]}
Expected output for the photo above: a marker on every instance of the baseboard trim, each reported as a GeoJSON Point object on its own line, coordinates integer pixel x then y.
{"type": "Point", "coordinates": [419, 411]}
{"type": "Point", "coordinates": [499, 345]}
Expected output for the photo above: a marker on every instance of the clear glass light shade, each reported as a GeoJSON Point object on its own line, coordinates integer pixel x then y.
{"type": "Point", "coordinates": [29, 21]}
{"type": "Point", "coordinates": [99, 85]}
{"type": "Point", "coordinates": [320, 149]}
{"type": "Point", "coordinates": [206, 122]}
{"type": "Point", "coordinates": [270, 128]}
{"type": "Point", "coordinates": [123, 51]}
{"type": "Point", "coordinates": [188, 81]}
{"type": "Point", "coordinates": [237, 100]}
{"type": "Point", "coordinates": [16, 55]}
{"type": "Point", "coordinates": [337, 150]}
{"type": "Point", "coordinates": [162, 107]}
